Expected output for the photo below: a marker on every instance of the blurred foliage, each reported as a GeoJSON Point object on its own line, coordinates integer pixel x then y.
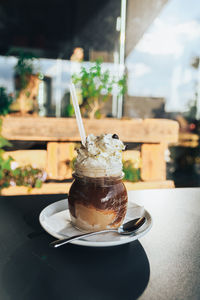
{"type": "Point", "coordinates": [24, 63]}
{"type": "Point", "coordinates": [96, 87]}
{"type": "Point", "coordinates": [69, 112]}
{"type": "Point", "coordinates": [130, 173]}
{"type": "Point", "coordinates": [5, 101]}
{"type": "Point", "coordinates": [195, 63]}
{"type": "Point", "coordinates": [24, 66]}
{"type": "Point", "coordinates": [27, 176]}
{"type": "Point", "coordinates": [93, 81]}
{"type": "Point", "coordinates": [192, 110]}
{"type": "Point", "coordinates": [190, 114]}
{"type": "Point", "coordinates": [3, 142]}
{"type": "Point", "coordinates": [72, 163]}
{"type": "Point", "coordinates": [20, 176]}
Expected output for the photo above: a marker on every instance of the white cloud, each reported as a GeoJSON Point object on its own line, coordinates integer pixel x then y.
{"type": "Point", "coordinates": [138, 69]}
{"type": "Point", "coordinates": [165, 39]}
{"type": "Point", "coordinates": [187, 76]}
{"type": "Point", "coordinates": [190, 30]}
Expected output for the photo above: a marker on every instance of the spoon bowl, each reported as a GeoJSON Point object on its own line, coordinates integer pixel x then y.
{"type": "Point", "coordinates": [131, 226]}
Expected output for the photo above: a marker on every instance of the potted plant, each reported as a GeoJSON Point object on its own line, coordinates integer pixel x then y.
{"type": "Point", "coordinates": [26, 79]}
{"type": "Point", "coordinates": [96, 88]}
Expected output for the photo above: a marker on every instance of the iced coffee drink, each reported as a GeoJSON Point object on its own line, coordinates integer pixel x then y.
{"type": "Point", "coordinates": [98, 197]}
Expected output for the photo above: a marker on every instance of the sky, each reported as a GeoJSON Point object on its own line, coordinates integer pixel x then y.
{"type": "Point", "coordinates": [160, 65]}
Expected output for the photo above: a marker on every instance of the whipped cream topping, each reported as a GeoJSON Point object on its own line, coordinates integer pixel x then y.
{"type": "Point", "coordinates": [101, 156]}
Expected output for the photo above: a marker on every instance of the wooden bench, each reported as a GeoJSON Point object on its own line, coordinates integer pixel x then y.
{"type": "Point", "coordinates": [154, 135]}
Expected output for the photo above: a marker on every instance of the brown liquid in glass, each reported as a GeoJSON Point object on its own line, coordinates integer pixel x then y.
{"type": "Point", "coordinates": [105, 194]}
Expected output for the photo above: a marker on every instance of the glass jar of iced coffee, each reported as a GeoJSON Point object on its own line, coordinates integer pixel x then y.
{"type": "Point", "coordinates": [97, 203]}
{"type": "Point", "coordinates": [98, 197]}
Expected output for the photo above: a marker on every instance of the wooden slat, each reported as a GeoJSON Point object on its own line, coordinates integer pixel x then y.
{"type": "Point", "coordinates": [58, 157]}
{"type": "Point", "coordinates": [63, 188]}
{"type": "Point", "coordinates": [188, 140]}
{"type": "Point", "coordinates": [47, 188]}
{"type": "Point", "coordinates": [153, 162]}
{"type": "Point", "coordinates": [52, 160]}
{"type": "Point", "coordinates": [167, 184]}
{"type": "Point", "coordinates": [65, 129]}
{"type": "Point", "coordinates": [66, 154]}
{"type": "Point", "coordinates": [35, 158]}
{"type": "Point", "coordinates": [188, 136]}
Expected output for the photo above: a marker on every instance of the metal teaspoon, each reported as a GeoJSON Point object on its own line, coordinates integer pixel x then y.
{"type": "Point", "coordinates": [127, 228]}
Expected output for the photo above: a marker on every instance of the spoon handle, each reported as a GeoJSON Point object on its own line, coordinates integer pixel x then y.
{"type": "Point", "coordinates": [61, 242]}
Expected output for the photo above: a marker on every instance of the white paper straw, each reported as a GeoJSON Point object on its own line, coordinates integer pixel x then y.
{"type": "Point", "coordinates": [77, 113]}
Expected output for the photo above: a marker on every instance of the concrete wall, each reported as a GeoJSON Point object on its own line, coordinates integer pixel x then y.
{"type": "Point", "coordinates": [143, 107]}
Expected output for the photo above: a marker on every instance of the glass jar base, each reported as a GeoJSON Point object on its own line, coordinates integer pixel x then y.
{"type": "Point", "coordinates": [91, 219]}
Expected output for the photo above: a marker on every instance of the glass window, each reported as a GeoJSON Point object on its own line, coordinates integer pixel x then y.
{"type": "Point", "coordinates": [162, 63]}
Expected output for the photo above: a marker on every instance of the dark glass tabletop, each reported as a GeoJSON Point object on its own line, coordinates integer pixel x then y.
{"type": "Point", "coordinates": [164, 264]}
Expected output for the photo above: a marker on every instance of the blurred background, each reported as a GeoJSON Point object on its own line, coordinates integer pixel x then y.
{"type": "Point", "coordinates": [150, 47]}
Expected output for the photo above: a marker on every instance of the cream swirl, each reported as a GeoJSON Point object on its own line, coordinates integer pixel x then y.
{"type": "Point", "coordinates": [101, 156]}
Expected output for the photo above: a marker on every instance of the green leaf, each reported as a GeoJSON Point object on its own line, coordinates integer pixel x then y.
{"type": "Point", "coordinates": [5, 102]}
{"type": "Point", "coordinates": [130, 173]}
{"type": "Point", "coordinates": [1, 153]}
{"type": "Point", "coordinates": [70, 110]}
{"type": "Point", "coordinates": [38, 183]}
{"type": "Point", "coordinates": [6, 184]}
{"type": "Point", "coordinates": [16, 172]}
{"type": "Point", "coordinates": [6, 164]}
{"type": "Point", "coordinates": [4, 142]}
{"type": "Point", "coordinates": [27, 94]}
{"type": "Point", "coordinates": [98, 114]}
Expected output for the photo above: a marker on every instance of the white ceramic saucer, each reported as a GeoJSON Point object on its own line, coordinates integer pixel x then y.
{"type": "Point", "coordinates": [56, 221]}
